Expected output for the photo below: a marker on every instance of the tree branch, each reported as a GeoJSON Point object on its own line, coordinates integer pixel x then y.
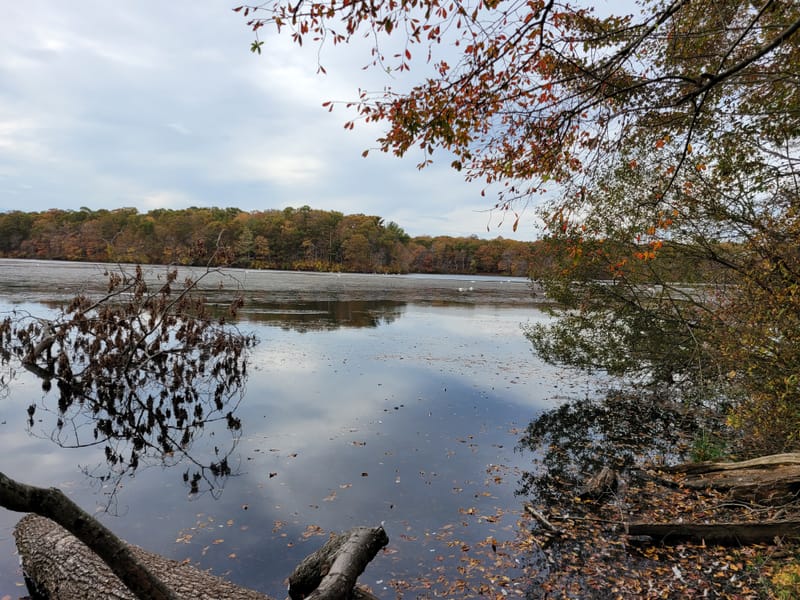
{"type": "Point", "coordinates": [53, 504]}
{"type": "Point", "coordinates": [727, 73]}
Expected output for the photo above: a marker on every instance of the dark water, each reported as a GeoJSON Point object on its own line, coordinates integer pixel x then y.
{"type": "Point", "coordinates": [370, 399]}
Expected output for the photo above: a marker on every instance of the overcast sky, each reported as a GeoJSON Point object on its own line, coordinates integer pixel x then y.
{"type": "Point", "coordinates": [152, 104]}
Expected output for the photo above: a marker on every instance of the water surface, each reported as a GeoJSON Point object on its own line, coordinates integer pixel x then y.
{"type": "Point", "coordinates": [394, 399]}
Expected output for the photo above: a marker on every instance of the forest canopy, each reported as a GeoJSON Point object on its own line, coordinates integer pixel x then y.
{"type": "Point", "coordinates": [293, 238]}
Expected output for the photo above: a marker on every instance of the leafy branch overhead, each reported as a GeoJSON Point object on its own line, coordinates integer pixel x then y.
{"type": "Point", "coordinates": [139, 371]}
{"type": "Point", "coordinates": [526, 93]}
{"type": "Point", "coordinates": [663, 137]}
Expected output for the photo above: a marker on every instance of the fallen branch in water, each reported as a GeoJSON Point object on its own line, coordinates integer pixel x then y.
{"type": "Point", "coordinates": [542, 520]}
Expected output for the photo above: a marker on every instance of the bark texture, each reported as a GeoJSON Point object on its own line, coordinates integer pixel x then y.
{"type": "Point", "coordinates": [765, 462]}
{"type": "Point", "coordinates": [118, 557]}
{"type": "Point", "coordinates": [771, 479]}
{"type": "Point", "coordinates": [331, 572]}
{"type": "Point", "coordinates": [58, 566]}
{"type": "Point", "coordinates": [63, 568]}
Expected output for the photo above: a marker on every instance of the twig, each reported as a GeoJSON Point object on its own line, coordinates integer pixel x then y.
{"type": "Point", "coordinates": [542, 520]}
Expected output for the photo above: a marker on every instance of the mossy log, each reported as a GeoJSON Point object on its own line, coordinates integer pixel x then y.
{"type": "Point", "coordinates": [58, 565]}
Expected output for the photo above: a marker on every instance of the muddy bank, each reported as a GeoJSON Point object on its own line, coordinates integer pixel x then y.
{"type": "Point", "coordinates": [582, 542]}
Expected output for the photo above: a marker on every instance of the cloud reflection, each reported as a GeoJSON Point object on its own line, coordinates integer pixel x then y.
{"type": "Point", "coordinates": [407, 412]}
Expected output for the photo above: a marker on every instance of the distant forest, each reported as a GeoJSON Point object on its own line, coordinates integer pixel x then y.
{"type": "Point", "coordinates": [293, 238]}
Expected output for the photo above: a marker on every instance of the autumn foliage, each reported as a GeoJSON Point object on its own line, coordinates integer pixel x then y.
{"type": "Point", "coordinates": [668, 135]}
{"type": "Point", "coordinates": [139, 370]}
{"type": "Point", "coordinates": [293, 238]}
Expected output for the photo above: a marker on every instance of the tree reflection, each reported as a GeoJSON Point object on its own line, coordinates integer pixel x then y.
{"type": "Point", "coordinates": [325, 315]}
{"type": "Point", "coordinates": [140, 372]}
{"type": "Point", "coordinates": [575, 440]}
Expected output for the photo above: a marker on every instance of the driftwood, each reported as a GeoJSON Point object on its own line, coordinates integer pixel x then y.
{"type": "Point", "coordinates": [715, 533]}
{"type": "Point", "coordinates": [771, 461]}
{"type": "Point", "coordinates": [118, 556]}
{"type": "Point", "coordinates": [58, 565]}
{"type": "Point", "coordinates": [771, 479]}
{"type": "Point", "coordinates": [331, 572]}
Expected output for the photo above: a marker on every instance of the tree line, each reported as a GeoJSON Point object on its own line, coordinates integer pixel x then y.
{"type": "Point", "coordinates": [303, 239]}
{"type": "Point", "coordinates": [293, 238]}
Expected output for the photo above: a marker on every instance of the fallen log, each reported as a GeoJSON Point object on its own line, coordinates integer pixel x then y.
{"type": "Point", "coordinates": [765, 462]}
{"type": "Point", "coordinates": [715, 533]}
{"type": "Point", "coordinates": [117, 556]}
{"type": "Point", "coordinates": [58, 565]}
{"type": "Point", "coordinates": [331, 572]}
{"type": "Point", "coordinates": [775, 486]}
{"type": "Point", "coordinates": [773, 479]}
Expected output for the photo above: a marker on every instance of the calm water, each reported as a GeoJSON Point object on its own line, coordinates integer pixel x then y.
{"type": "Point", "coordinates": [394, 399]}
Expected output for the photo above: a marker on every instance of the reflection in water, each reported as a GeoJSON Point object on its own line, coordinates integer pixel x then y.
{"type": "Point", "coordinates": [570, 443]}
{"type": "Point", "coordinates": [574, 441]}
{"type": "Point", "coordinates": [138, 372]}
{"type": "Point", "coordinates": [323, 315]}
{"type": "Point", "coordinates": [351, 416]}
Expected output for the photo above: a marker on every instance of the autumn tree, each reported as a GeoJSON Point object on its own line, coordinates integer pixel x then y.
{"type": "Point", "coordinates": [666, 136]}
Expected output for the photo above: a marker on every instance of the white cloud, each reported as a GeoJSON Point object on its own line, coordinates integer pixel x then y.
{"type": "Point", "coordinates": [179, 128]}
{"type": "Point", "coordinates": [281, 169]}
{"type": "Point", "coordinates": [166, 199]}
{"type": "Point", "coordinates": [154, 104]}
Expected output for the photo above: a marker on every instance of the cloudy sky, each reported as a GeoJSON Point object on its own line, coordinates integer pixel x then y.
{"type": "Point", "coordinates": [152, 104]}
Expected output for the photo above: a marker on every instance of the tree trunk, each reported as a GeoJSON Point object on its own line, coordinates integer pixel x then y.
{"type": "Point", "coordinates": [58, 565]}
{"type": "Point", "coordinates": [331, 572]}
{"type": "Point", "coordinates": [765, 486]}
{"type": "Point", "coordinates": [53, 504]}
{"type": "Point", "coordinates": [771, 479]}
{"type": "Point", "coordinates": [766, 462]}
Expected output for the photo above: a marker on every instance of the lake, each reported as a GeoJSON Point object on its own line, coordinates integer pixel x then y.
{"type": "Point", "coordinates": [370, 399]}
